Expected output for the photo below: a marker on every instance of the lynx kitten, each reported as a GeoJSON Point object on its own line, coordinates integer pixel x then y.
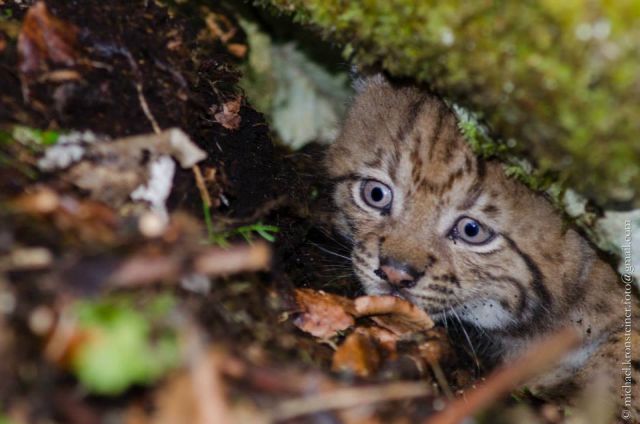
{"type": "Point", "coordinates": [450, 232]}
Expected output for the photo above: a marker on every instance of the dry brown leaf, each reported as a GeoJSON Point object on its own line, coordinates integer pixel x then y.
{"type": "Point", "coordinates": [396, 315]}
{"type": "Point", "coordinates": [82, 219]}
{"type": "Point", "coordinates": [237, 49]}
{"type": "Point", "coordinates": [384, 338]}
{"type": "Point", "coordinates": [63, 339]}
{"type": "Point", "coordinates": [198, 394]}
{"type": "Point", "coordinates": [40, 201]}
{"type": "Point", "coordinates": [220, 26]}
{"type": "Point", "coordinates": [229, 117]}
{"type": "Point", "coordinates": [322, 314]}
{"type": "Point", "coordinates": [45, 39]}
{"type": "Point", "coordinates": [358, 355]}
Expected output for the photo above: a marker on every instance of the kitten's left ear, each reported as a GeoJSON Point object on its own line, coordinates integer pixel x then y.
{"type": "Point", "coordinates": [361, 79]}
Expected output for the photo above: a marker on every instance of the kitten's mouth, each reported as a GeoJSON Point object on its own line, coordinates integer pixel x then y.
{"type": "Point", "coordinates": [405, 295]}
{"type": "Point", "coordinates": [398, 293]}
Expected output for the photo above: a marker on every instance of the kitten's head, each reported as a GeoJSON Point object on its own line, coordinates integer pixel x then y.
{"type": "Point", "coordinates": [433, 223]}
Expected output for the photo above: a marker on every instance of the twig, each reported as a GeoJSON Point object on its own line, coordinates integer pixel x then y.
{"type": "Point", "coordinates": [145, 108]}
{"type": "Point", "coordinates": [441, 379]}
{"type": "Point", "coordinates": [208, 388]}
{"type": "Point", "coordinates": [204, 193]}
{"type": "Point", "coordinates": [26, 259]}
{"type": "Point", "coordinates": [206, 200]}
{"type": "Point", "coordinates": [538, 359]}
{"type": "Point", "coordinates": [348, 398]}
{"type": "Point", "coordinates": [141, 269]}
{"type": "Point", "coordinates": [138, 84]}
{"type": "Point", "coordinates": [148, 268]}
{"type": "Point", "coordinates": [242, 258]}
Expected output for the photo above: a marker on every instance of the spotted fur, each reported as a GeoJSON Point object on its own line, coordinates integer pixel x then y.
{"type": "Point", "coordinates": [532, 277]}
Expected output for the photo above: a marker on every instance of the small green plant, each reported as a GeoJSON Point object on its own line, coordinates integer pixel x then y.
{"type": "Point", "coordinates": [247, 232]}
{"type": "Point", "coordinates": [125, 344]}
{"type": "Point", "coordinates": [34, 138]}
{"type": "Point", "coordinates": [267, 232]}
{"type": "Point", "coordinates": [221, 238]}
{"type": "Point", "coordinates": [10, 148]}
{"type": "Point", "coordinates": [208, 222]}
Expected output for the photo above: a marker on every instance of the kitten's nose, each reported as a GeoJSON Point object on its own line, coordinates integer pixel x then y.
{"type": "Point", "coordinates": [397, 274]}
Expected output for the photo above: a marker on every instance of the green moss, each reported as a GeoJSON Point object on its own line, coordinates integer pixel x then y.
{"type": "Point", "coordinates": [477, 135]}
{"type": "Point", "coordinates": [561, 78]}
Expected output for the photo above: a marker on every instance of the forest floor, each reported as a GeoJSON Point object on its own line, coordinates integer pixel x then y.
{"type": "Point", "coordinates": [162, 260]}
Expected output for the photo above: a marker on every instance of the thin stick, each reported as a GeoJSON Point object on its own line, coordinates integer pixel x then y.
{"type": "Point", "coordinates": [147, 110]}
{"type": "Point", "coordinates": [441, 379]}
{"type": "Point", "coordinates": [142, 269]}
{"type": "Point", "coordinates": [138, 84]}
{"type": "Point", "coordinates": [539, 358]}
{"type": "Point", "coordinates": [208, 388]}
{"type": "Point", "coordinates": [204, 193]}
{"type": "Point", "coordinates": [347, 398]}
{"type": "Point", "coordinates": [241, 258]}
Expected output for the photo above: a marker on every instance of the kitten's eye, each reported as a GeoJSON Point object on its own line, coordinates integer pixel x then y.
{"type": "Point", "coordinates": [471, 231]}
{"type": "Point", "coordinates": [376, 194]}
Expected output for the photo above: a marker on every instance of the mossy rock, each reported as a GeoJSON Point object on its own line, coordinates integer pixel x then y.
{"type": "Point", "coordinates": [559, 79]}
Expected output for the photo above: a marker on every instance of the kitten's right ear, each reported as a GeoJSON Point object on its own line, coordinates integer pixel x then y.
{"type": "Point", "coordinates": [362, 79]}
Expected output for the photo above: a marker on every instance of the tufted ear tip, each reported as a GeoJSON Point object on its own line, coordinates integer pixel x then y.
{"type": "Point", "coordinates": [362, 80]}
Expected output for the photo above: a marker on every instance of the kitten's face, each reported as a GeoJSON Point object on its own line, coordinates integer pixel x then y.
{"type": "Point", "coordinates": [432, 223]}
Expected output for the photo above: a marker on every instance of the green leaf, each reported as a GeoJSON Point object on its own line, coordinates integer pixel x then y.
{"type": "Point", "coordinates": [34, 138]}
{"type": "Point", "coordinates": [265, 235]}
{"type": "Point", "coordinates": [265, 231]}
{"type": "Point", "coordinates": [119, 350]}
{"type": "Point", "coordinates": [246, 232]}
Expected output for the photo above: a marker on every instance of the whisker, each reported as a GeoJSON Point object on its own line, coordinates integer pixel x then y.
{"type": "Point", "coordinates": [446, 320]}
{"type": "Point", "coordinates": [338, 277]}
{"type": "Point", "coordinates": [460, 303]}
{"type": "Point", "coordinates": [330, 252]}
{"type": "Point", "coordinates": [340, 240]}
{"type": "Point", "coordinates": [466, 335]}
{"type": "Point", "coordinates": [335, 267]}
